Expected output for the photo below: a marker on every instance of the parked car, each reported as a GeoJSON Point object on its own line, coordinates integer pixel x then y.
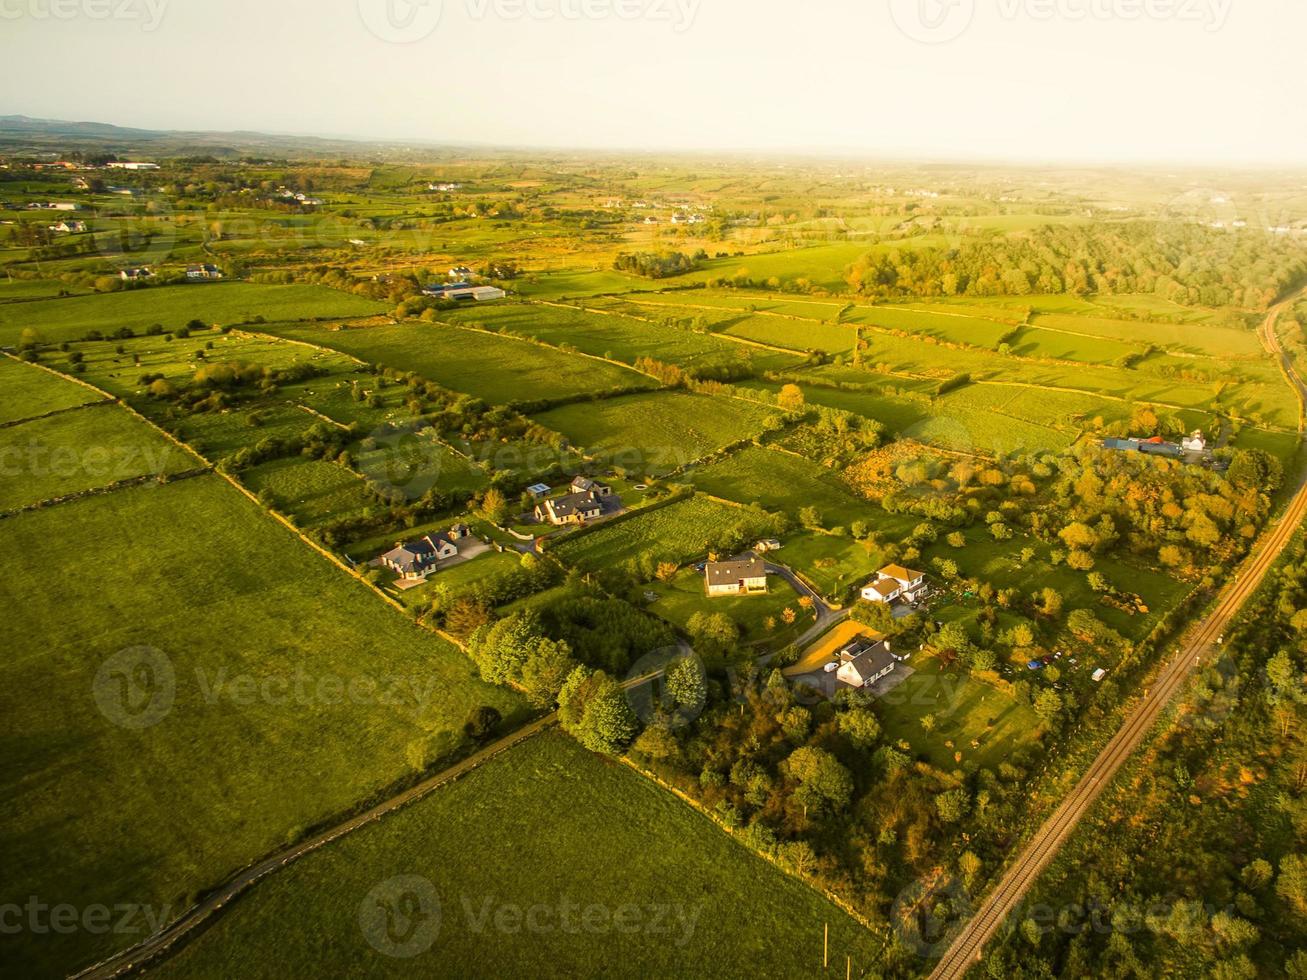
{"type": "Point", "coordinates": [1035, 665]}
{"type": "Point", "coordinates": [830, 668]}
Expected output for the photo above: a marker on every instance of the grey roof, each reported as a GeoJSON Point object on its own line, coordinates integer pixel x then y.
{"type": "Point", "coordinates": [732, 572]}
{"type": "Point", "coordinates": [575, 503]}
{"type": "Point", "coordinates": [873, 661]}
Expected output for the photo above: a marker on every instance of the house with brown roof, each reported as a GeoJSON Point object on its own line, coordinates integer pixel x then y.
{"type": "Point", "coordinates": [895, 583]}
{"type": "Point", "coordinates": [744, 577]}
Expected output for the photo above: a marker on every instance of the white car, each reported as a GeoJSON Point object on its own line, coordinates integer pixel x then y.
{"type": "Point", "coordinates": [831, 668]}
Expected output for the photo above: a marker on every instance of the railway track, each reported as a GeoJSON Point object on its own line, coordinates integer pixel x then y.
{"type": "Point", "coordinates": [1197, 648]}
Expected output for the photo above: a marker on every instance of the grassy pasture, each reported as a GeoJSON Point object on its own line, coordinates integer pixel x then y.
{"type": "Point", "coordinates": [174, 306]}
{"type": "Point", "coordinates": [897, 414]}
{"type": "Point", "coordinates": [500, 370]}
{"type": "Point", "coordinates": [1058, 345]}
{"type": "Point", "coordinates": [657, 432]}
{"type": "Point", "coordinates": [91, 447]}
{"type": "Point", "coordinates": [16, 290]}
{"type": "Point", "coordinates": [794, 334]}
{"type": "Point", "coordinates": [562, 820]}
{"type": "Point", "coordinates": [835, 564]}
{"type": "Point", "coordinates": [197, 572]}
{"type": "Point", "coordinates": [309, 491]}
{"type": "Point", "coordinates": [614, 336]}
{"type": "Point", "coordinates": [417, 462]}
{"type": "Point", "coordinates": [26, 392]}
{"type": "Point", "coordinates": [1188, 337]}
{"type": "Point", "coordinates": [957, 328]}
{"type": "Point", "coordinates": [678, 533]}
{"type": "Point", "coordinates": [780, 481]}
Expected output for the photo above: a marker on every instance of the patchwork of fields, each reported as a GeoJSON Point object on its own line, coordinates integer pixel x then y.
{"type": "Point", "coordinates": [498, 369]}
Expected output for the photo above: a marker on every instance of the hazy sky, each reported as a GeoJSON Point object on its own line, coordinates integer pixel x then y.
{"type": "Point", "coordinates": [1197, 81]}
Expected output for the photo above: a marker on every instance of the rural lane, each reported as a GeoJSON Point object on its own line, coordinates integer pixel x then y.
{"type": "Point", "coordinates": [1197, 648]}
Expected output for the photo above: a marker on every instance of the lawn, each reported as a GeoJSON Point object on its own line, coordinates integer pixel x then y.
{"type": "Point", "coordinates": [965, 710]}
{"type": "Point", "coordinates": [781, 481]}
{"type": "Point", "coordinates": [658, 432]}
{"type": "Point", "coordinates": [418, 462]}
{"type": "Point", "coordinates": [836, 565]}
{"type": "Point", "coordinates": [281, 693]}
{"type": "Point", "coordinates": [684, 596]}
{"type": "Point", "coordinates": [26, 392]}
{"type": "Point", "coordinates": [545, 826]}
{"type": "Point", "coordinates": [499, 369]}
{"type": "Point", "coordinates": [95, 446]}
{"type": "Point", "coordinates": [678, 533]}
{"type": "Point", "coordinates": [174, 306]}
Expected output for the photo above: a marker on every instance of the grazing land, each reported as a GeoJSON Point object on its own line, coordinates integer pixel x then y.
{"type": "Point", "coordinates": [27, 392]}
{"type": "Point", "coordinates": [658, 432]}
{"type": "Point", "coordinates": [581, 816]}
{"type": "Point", "coordinates": [241, 645]}
{"type": "Point", "coordinates": [500, 369]}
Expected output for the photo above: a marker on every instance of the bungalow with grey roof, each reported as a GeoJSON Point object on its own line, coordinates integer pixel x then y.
{"type": "Point", "coordinates": [574, 508]}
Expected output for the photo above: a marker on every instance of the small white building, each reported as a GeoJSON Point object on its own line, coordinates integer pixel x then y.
{"type": "Point", "coordinates": [1196, 443]}
{"type": "Point", "coordinates": [745, 577]}
{"type": "Point", "coordinates": [69, 227]}
{"type": "Point", "coordinates": [894, 583]}
{"type": "Point", "coordinates": [136, 274]}
{"type": "Point", "coordinates": [203, 272]}
{"type": "Point", "coordinates": [129, 165]}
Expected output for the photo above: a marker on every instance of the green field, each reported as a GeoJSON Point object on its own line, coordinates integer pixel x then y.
{"type": "Point", "coordinates": [562, 823]}
{"type": "Point", "coordinates": [781, 481]}
{"type": "Point", "coordinates": [617, 337]}
{"type": "Point", "coordinates": [677, 533]}
{"type": "Point", "coordinates": [175, 306]}
{"type": "Point", "coordinates": [258, 733]}
{"type": "Point", "coordinates": [26, 392]}
{"type": "Point", "coordinates": [658, 432]}
{"type": "Point", "coordinates": [92, 447]}
{"type": "Point", "coordinates": [310, 492]}
{"type": "Point", "coordinates": [500, 370]}
{"type": "Point", "coordinates": [415, 463]}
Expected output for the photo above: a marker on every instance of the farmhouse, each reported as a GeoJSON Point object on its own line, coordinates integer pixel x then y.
{"type": "Point", "coordinates": [1195, 443]}
{"type": "Point", "coordinates": [415, 559]}
{"type": "Point", "coordinates": [201, 272]}
{"type": "Point", "coordinates": [863, 663]}
{"type": "Point", "coordinates": [53, 206]}
{"type": "Point", "coordinates": [575, 508]}
{"type": "Point", "coordinates": [463, 291]}
{"type": "Point", "coordinates": [1156, 446]}
{"type": "Point", "coordinates": [460, 273]}
{"type": "Point", "coordinates": [894, 582]}
{"type": "Point", "coordinates": [744, 577]}
{"type": "Point", "coordinates": [126, 165]}
{"type": "Point", "coordinates": [69, 227]}
{"type": "Point", "coordinates": [766, 545]}
{"type": "Point", "coordinates": [135, 274]}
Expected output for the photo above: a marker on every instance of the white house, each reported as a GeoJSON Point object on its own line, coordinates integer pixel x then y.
{"type": "Point", "coordinates": [862, 663]}
{"type": "Point", "coordinates": [894, 582]}
{"type": "Point", "coordinates": [1196, 443]}
{"type": "Point", "coordinates": [135, 274]}
{"type": "Point", "coordinates": [746, 577]}
{"type": "Point", "coordinates": [126, 165]}
{"type": "Point", "coordinates": [574, 508]}
{"type": "Point", "coordinates": [460, 273]}
{"type": "Point", "coordinates": [201, 272]}
{"type": "Point", "coordinates": [69, 227]}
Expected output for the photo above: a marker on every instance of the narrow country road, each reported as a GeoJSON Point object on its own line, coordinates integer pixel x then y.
{"type": "Point", "coordinates": [1197, 648]}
